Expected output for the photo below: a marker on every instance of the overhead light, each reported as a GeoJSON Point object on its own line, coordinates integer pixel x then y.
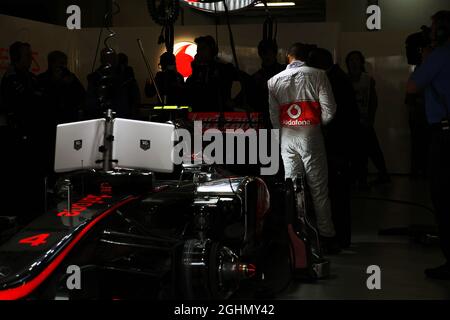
{"type": "Point", "coordinates": [277, 4]}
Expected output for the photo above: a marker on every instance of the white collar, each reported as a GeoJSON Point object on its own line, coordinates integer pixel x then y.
{"type": "Point", "coordinates": [295, 64]}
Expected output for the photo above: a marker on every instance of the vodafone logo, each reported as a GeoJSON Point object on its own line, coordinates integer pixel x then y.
{"type": "Point", "coordinates": [184, 55]}
{"type": "Point", "coordinates": [294, 111]}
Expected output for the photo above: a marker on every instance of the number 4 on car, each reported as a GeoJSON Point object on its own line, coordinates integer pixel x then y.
{"type": "Point", "coordinates": [36, 240]}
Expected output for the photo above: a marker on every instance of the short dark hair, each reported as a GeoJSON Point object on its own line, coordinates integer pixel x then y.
{"type": "Point", "coordinates": [54, 56]}
{"type": "Point", "coordinates": [300, 50]}
{"type": "Point", "coordinates": [320, 58]}
{"type": "Point", "coordinates": [122, 58]}
{"type": "Point", "coordinates": [360, 56]}
{"type": "Point", "coordinates": [442, 16]}
{"type": "Point", "coordinates": [442, 21]}
{"type": "Point", "coordinates": [14, 50]}
{"type": "Point", "coordinates": [208, 41]}
{"type": "Point", "coordinates": [167, 59]}
{"type": "Point", "coordinates": [267, 46]}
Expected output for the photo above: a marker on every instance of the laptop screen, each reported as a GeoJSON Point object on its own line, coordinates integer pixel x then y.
{"type": "Point", "coordinates": [77, 145]}
{"type": "Point", "coordinates": [143, 145]}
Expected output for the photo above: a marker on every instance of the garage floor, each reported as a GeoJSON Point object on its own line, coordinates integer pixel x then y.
{"type": "Point", "coordinates": [400, 258]}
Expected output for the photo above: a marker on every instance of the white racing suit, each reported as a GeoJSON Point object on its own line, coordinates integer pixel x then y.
{"type": "Point", "coordinates": [301, 99]}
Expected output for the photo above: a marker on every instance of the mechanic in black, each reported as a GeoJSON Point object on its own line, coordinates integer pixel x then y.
{"type": "Point", "coordinates": [419, 132]}
{"type": "Point", "coordinates": [267, 51]}
{"type": "Point", "coordinates": [20, 91]}
{"type": "Point", "coordinates": [169, 81]}
{"type": "Point", "coordinates": [340, 141]}
{"type": "Point", "coordinates": [22, 103]}
{"type": "Point", "coordinates": [433, 77]}
{"type": "Point", "coordinates": [415, 103]}
{"type": "Point", "coordinates": [64, 98]}
{"type": "Point", "coordinates": [209, 86]}
{"type": "Point", "coordinates": [63, 93]}
{"type": "Point", "coordinates": [117, 83]}
{"type": "Point", "coordinates": [123, 65]}
{"type": "Point", "coordinates": [369, 145]}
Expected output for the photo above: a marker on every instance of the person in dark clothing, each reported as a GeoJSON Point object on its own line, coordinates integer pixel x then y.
{"type": "Point", "coordinates": [420, 133]}
{"type": "Point", "coordinates": [63, 96]}
{"type": "Point", "coordinates": [21, 100]}
{"type": "Point", "coordinates": [415, 45]}
{"type": "Point", "coordinates": [366, 97]}
{"type": "Point", "coordinates": [117, 83]}
{"type": "Point", "coordinates": [433, 78]}
{"type": "Point", "coordinates": [259, 92]}
{"type": "Point", "coordinates": [210, 84]}
{"type": "Point", "coordinates": [339, 141]}
{"type": "Point", "coordinates": [123, 68]}
{"type": "Point", "coordinates": [267, 51]}
{"type": "Point", "coordinates": [122, 63]}
{"type": "Point", "coordinates": [170, 83]}
{"type": "Point", "coordinates": [20, 90]}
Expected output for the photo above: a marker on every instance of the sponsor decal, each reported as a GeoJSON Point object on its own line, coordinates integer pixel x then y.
{"type": "Point", "coordinates": [82, 205]}
{"type": "Point", "coordinates": [78, 144]}
{"type": "Point", "coordinates": [294, 111]}
{"type": "Point", "coordinates": [145, 144]}
{"type": "Point", "coordinates": [300, 114]}
{"type": "Point", "coordinates": [184, 55]}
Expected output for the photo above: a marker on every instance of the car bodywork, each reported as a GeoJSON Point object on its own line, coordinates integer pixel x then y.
{"type": "Point", "coordinates": [207, 234]}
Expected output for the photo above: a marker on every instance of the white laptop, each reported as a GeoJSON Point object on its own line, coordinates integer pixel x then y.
{"type": "Point", "coordinates": [77, 145]}
{"type": "Point", "coordinates": [143, 145]}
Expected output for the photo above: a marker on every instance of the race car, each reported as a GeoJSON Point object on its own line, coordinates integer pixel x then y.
{"type": "Point", "coordinates": [134, 234]}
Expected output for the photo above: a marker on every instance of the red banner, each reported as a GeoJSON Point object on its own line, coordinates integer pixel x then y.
{"type": "Point", "coordinates": [299, 114]}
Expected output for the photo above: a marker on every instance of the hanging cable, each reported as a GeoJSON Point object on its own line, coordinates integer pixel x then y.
{"type": "Point", "coordinates": [105, 85]}
{"type": "Point", "coordinates": [167, 37]}
{"type": "Point", "coordinates": [98, 47]}
{"type": "Point", "coordinates": [230, 32]}
{"type": "Point", "coordinates": [111, 34]}
{"type": "Point", "coordinates": [236, 62]}
{"type": "Point", "coordinates": [108, 15]}
{"type": "Point", "coordinates": [269, 34]}
{"type": "Point", "coordinates": [165, 14]}
{"type": "Point", "coordinates": [216, 20]}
